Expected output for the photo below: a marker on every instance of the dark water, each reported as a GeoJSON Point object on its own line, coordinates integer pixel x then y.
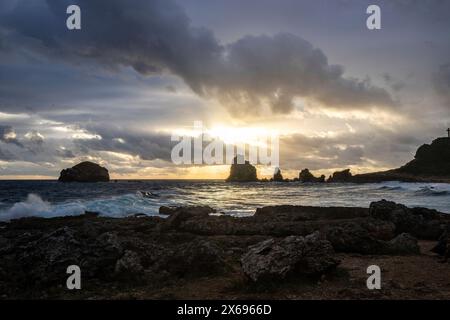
{"type": "Point", "coordinates": [117, 199]}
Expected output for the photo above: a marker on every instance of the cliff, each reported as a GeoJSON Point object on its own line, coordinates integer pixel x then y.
{"type": "Point", "coordinates": [430, 164]}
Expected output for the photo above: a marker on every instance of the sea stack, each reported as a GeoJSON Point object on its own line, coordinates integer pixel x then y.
{"type": "Point", "coordinates": [242, 172]}
{"type": "Point", "coordinates": [341, 176]}
{"type": "Point", "coordinates": [85, 172]}
{"type": "Point", "coordinates": [306, 176]}
{"type": "Point", "coordinates": [277, 176]}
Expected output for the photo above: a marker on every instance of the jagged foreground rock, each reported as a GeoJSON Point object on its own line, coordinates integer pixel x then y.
{"type": "Point", "coordinates": [272, 260]}
{"type": "Point", "coordinates": [191, 253]}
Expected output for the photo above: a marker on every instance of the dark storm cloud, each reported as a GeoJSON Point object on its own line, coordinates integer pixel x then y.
{"type": "Point", "coordinates": [156, 36]}
{"type": "Point", "coordinates": [281, 67]}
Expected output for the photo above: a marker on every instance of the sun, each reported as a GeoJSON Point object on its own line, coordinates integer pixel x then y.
{"type": "Point", "coordinates": [255, 136]}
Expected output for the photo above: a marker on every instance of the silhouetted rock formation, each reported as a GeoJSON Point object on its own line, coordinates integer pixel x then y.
{"type": "Point", "coordinates": [306, 176]}
{"type": "Point", "coordinates": [85, 172]}
{"type": "Point", "coordinates": [277, 176]}
{"type": "Point", "coordinates": [432, 160]}
{"type": "Point", "coordinates": [431, 164]}
{"type": "Point", "coordinates": [341, 176]}
{"type": "Point", "coordinates": [242, 172]}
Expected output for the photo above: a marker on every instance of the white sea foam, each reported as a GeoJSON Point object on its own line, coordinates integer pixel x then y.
{"type": "Point", "coordinates": [35, 206]}
{"type": "Point", "coordinates": [119, 206]}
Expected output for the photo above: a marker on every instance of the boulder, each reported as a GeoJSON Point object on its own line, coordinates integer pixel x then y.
{"type": "Point", "coordinates": [85, 172]}
{"type": "Point", "coordinates": [403, 244]}
{"type": "Point", "coordinates": [179, 215]}
{"type": "Point", "coordinates": [306, 213]}
{"type": "Point", "coordinates": [422, 223]}
{"type": "Point", "coordinates": [242, 172]}
{"type": "Point", "coordinates": [164, 210]}
{"type": "Point", "coordinates": [196, 258]}
{"type": "Point", "coordinates": [277, 259]}
{"type": "Point", "coordinates": [341, 176]}
{"type": "Point", "coordinates": [369, 237]}
{"type": "Point", "coordinates": [44, 260]}
{"type": "Point", "coordinates": [442, 247]}
{"type": "Point", "coordinates": [355, 238]}
{"type": "Point", "coordinates": [306, 176]}
{"type": "Point", "coordinates": [129, 266]}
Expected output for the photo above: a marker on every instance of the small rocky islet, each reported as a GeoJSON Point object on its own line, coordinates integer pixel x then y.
{"type": "Point", "coordinates": [86, 171]}
{"type": "Point", "coordinates": [281, 252]}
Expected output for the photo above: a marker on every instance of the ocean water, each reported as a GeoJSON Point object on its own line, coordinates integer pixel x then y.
{"type": "Point", "coordinates": [122, 198]}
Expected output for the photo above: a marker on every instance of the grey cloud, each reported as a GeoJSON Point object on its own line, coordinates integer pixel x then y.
{"type": "Point", "coordinates": [5, 155]}
{"type": "Point", "coordinates": [148, 146]}
{"type": "Point", "coordinates": [441, 81]}
{"type": "Point", "coordinates": [65, 153]}
{"type": "Point", "coordinates": [385, 148]}
{"type": "Point", "coordinates": [35, 137]}
{"type": "Point", "coordinates": [8, 135]}
{"type": "Point", "coordinates": [156, 36]}
{"type": "Point", "coordinates": [171, 89]}
{"type": "Point", "coordinates": [300, 151]}
{"type": "Point", "coordinates": [282, 67]}
{"type": "Point", "coordinates": [395, 84]}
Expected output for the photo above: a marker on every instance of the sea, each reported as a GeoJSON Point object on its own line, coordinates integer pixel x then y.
{"type": "Point", "coordinates": [129, 197]}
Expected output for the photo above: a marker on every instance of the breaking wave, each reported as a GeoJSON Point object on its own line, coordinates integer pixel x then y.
{"type": "Point", "coordinates": [431, 191]}
{"type": "Point", "coordinates": [119, 206]}
{"type": "Point", "coordinates": [390, 188]}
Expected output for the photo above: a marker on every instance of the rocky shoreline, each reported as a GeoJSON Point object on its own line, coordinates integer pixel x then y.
{"type": "Point", "coordinates": [282, 252]}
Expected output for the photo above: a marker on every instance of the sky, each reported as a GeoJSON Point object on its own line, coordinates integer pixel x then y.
{"type": "Point", "coordinates": [338, 94]}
